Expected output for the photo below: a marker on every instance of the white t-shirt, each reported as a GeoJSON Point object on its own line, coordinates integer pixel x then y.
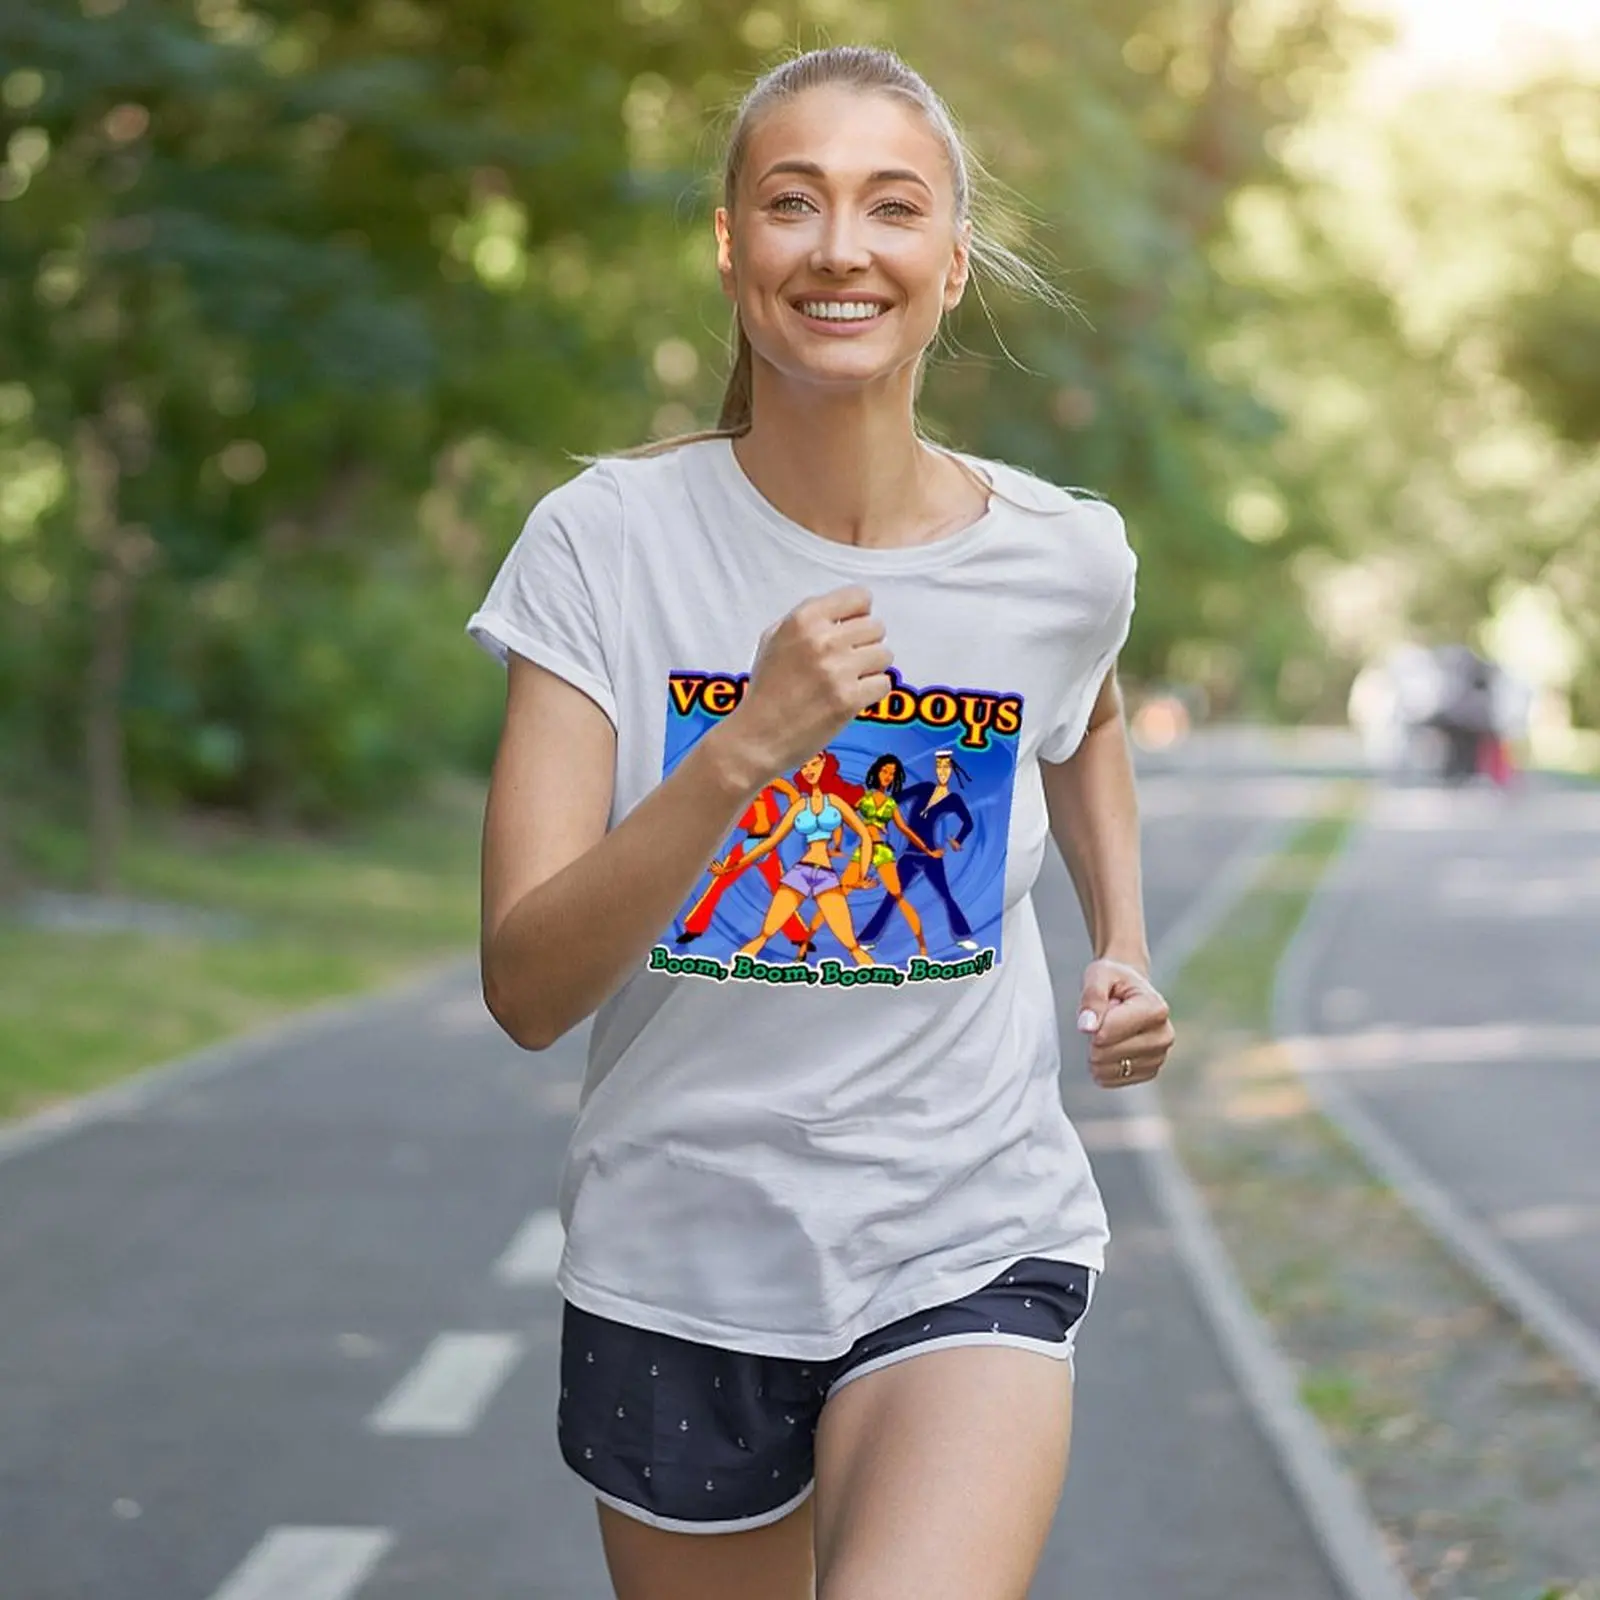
{"type": "Point", "coordinates": [778, 1149]}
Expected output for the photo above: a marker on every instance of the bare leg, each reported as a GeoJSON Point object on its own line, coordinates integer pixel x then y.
{"type": "Point", "coordinates": [831, 903]}
{"type": "Point", "coordinates": [784, 902]}
{"type": "Point", "coordinates": [939, 1476]}
{"type": "Point", "coordinates": [651, 1564]}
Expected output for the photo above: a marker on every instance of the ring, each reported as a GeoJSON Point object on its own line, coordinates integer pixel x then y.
{"type": "Point", "coordinates": [1127, 1067]}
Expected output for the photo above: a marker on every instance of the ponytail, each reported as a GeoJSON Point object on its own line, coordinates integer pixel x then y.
{"type": "Point", "coordinates": [736, 413]}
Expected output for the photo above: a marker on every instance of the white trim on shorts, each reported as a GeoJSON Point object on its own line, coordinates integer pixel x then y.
{"type": "Point", "coordinates": [679, 1525]}
{"type": "Point", "coordinates": [1064, 1350]}
{"type": "Point", "coordinates": [953, 1341]}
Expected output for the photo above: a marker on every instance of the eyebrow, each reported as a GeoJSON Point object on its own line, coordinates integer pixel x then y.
{"type": "Point", "coordinates": [809, 169]}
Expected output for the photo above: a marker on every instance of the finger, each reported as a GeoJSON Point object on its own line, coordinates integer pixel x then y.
{"type": "Point", "coordinates": [1128, 1018]}
{"type": "Point", "coordinates": [1147, 1052]}
{"type": "Point", "coordinates": [1153, 1034]}
{"type": "Point", "coordinates": [872, 660]}
{"type": "Point", "coordinates": [861, 630]}
{"type": "Point", "coordinates": [1132, 1066]}
{"type": "Point", "coordinates": [839, 605]}
{"type": "Point", "coordinates": [1116, 1079]}
{"type": "Point", "coordinates": [1099, 984]}
{"type": "Point", "coordinates": [869, 691]}
{"type": "Point", "coordinates": [1143, 1058]}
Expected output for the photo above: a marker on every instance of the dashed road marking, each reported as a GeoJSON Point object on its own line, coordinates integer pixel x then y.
{"type": "Point", "coordinates": [532, 1257]}
{"type": "Point", "coordinates": [307, 1564]}
{"type": "Point", "coordinates": [450, 1387]}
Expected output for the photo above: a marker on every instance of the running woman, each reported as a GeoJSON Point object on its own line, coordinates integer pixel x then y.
{"type": "Point", "coordinates": [827, 1242]}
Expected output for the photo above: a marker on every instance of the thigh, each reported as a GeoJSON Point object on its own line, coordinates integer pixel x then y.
{"type": "Point", "coordinates": [770, 1563]}
{"type": "Point", "coordinates": [938, 1476]}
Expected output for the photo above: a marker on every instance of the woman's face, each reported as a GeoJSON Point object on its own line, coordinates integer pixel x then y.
{"type": "Point", "coordinates": [843, 251]}
{"type": "Point", "coordinates": [812, 770]}
{"type": "Point", "coordinates": [887, 774]}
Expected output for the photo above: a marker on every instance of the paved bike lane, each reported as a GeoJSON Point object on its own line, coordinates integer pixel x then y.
{"type": "Point", "coordinates": [1447, 994]}
{"type": "Point", "coordinates": [212, 1295]}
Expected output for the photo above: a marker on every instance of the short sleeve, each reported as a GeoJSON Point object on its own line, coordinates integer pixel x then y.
{"type": "Point", "coordinates": [1097, 653]}
{"type": "Point", "coordinates": [557, 598]}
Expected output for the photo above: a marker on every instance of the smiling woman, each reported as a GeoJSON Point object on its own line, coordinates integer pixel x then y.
{"type": "Point", "coordinates": [828, 1227]}
{"type": "Point", "coordinates": [933, 192]}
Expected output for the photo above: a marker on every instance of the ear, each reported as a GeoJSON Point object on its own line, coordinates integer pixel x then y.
{"type": "Point", "coordinates": [724, 227]}
{"type": "Point", "coordinates": [955, 284]}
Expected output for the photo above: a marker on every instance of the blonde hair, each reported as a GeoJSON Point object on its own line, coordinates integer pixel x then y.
{"type": "Point", "coordinates": [870, 71]}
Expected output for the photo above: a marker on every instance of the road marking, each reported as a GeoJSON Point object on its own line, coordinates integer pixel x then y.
{"type": "Point", "coordinates": [1333, 1503]}
{"type": "Point", "coordinates": [451, 1386]}
{"type": "Point", "coordinates": [1543, 1311]}
{"type": "Point", "coordinates": [535, 1253]}
{"type": "Point", "coordinates": [1514, 1045]}
{"type": "Point", "coordinates": [307, 1564]}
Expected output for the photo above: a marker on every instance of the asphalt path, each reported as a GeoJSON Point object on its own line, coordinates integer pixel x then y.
{"type": "Point", "coordinates": [1454, 992]}
{"type": "Point", "coordinates": [286, 1332]}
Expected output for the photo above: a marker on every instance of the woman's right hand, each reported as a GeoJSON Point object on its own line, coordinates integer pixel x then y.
{"type": "Point", "coordinates": [814, 671]}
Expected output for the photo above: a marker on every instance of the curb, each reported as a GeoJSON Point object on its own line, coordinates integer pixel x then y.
{"type": "Point", "coordinates": [1333, 1502]}
{"type": "Point", "coordinates": [129, 1096]}
{"type": "Point", "coordinates": [1542, 1314]}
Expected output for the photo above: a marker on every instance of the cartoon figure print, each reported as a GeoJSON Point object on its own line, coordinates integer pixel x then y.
{"type": "Point", "coordinates": [879, 807]}
{"type": "Point", "coordinates": [819, 815]}
{"type": "Point", "coordinates": [926, 804]}
{"type": "Point", "coordinates": [759, 819]}
{"type": "Point", "coordinates": [903, 818]}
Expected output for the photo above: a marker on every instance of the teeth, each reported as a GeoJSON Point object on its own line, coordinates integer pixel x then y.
{"type": "Point", "coordinates": [841, 310]}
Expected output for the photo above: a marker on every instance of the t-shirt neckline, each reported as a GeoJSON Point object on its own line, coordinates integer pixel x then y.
{"type": "Point", "coordinates": [854, 558]}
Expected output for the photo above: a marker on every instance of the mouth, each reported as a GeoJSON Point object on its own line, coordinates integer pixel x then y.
{"type": "Point", "coordinates": [839, 314]}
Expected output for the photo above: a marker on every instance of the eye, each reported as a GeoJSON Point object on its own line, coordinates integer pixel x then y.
{"type": "Point", "coordinates": [896, 209]}
{"type": "Point", "coordinates": [788, 202]}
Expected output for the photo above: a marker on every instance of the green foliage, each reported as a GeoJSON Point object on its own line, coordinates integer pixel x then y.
{"type": "Point", "coordinates": [337, 291]}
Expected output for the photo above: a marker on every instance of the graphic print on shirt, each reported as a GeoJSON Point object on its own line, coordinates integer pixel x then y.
{"type": "Point", "coordinates": [881, 860]}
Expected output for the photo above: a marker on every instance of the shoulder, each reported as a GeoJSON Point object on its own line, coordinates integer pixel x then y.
{"type": "Point", "coordinates": [1082, 508]}
{"type": "Point", "coordinates": [663, 471]}
{"type": "Point", "coordinates": [611, 491]}
{"type": "Point", "coordinates": [1079, 522]}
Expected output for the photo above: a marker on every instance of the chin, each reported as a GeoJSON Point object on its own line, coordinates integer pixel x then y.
{"type": "Point", "coordinates": [846, 370]}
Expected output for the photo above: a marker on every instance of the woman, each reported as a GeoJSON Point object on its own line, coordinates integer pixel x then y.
{"type": "Point", "coordinates": [879, 807]}
{"type": "Point", "coordinates": [826, 1243]}
{"type": "Point", "coordinates": [819, 813]}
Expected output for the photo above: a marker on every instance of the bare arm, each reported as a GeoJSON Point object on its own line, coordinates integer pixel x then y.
{"type": "Point", "coordinates": [1094, 817]}
{"type": "Point", "coordinates": [569, 908]}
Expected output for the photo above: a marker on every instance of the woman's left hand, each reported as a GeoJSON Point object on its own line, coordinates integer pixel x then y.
{"type": "Point", "coordinates": [1128, 1021]}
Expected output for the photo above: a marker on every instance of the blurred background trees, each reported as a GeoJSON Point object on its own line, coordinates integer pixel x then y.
{"type": "Point", "coordinates": [301, 306]}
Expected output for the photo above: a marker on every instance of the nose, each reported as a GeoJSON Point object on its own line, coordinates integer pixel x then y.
{"type": "Point", "coordinates": [840, 247]}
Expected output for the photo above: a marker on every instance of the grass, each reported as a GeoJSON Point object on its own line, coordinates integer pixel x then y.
{"type": "Point", "coordinates": [320, 917]}
{"type": "Point", "coordinates": [1476, 1450]}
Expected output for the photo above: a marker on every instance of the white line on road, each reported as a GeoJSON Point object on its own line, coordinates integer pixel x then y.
{"type": "Point", "coordinates": [1541, 1310]}
{"type": "Point", "coordinates": [1333, 1502]}
{"type": "Point", "coordinates": [451, 1386]}
{"type": "Point", "coordinates": [535, 1253]}
{"type": "Point", "coordinates": [307, 1564]}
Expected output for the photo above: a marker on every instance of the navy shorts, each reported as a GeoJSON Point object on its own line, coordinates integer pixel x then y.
{"type": "Point", "coordinates": [697, 1439]}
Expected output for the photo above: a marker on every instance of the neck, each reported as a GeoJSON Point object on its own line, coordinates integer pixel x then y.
{"type": "Point", "coordinates": [848, 466]}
